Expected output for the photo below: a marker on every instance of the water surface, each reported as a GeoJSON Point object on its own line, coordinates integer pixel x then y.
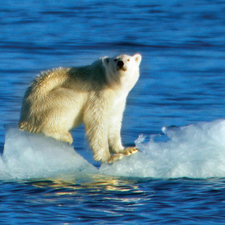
{"type": "Point", "coordinates": [182, 82]}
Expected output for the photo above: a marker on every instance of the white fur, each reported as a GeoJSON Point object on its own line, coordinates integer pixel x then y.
{"type": "Point", "coordinates": [61, 99]}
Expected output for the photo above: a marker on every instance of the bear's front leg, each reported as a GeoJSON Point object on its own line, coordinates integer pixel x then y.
{"type": "Point", "coordinates": [114, 135]}
{"type": "Point", "coordinates": [98, 142]}
{"type": "Point", "coordinates": [96, 121]}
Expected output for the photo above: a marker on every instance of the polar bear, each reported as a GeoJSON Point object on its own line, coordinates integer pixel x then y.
{"type": "Point", "coordinates": [61, 99]}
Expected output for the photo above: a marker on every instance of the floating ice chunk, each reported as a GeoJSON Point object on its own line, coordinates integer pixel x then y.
{"type": "Point", "coordinates": [28, 155]}
{"type": "Point", "coordinates": [195, 151]}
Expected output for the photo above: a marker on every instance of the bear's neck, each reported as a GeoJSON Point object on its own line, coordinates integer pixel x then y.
{"type": "Point", "coordinates": [122, 84]}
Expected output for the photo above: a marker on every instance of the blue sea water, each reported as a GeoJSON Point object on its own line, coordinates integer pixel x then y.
{"type": "Point", "coordinates": [178, 105]}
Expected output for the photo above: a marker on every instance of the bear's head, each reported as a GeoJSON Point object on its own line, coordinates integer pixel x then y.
{"type": "Point", "coordinates": [122, 63]}
{"type": "Point", "coordinates": [122, 66]}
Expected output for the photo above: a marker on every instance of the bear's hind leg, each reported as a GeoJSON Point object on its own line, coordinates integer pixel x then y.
{"type": "Point", "coordinates": [64, 136]}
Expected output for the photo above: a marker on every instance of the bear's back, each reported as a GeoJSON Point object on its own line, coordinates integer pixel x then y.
{"type": "Point", "coordinates": [84, 78]}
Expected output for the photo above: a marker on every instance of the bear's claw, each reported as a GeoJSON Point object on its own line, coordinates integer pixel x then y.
{"type": "Point", "coordinates": [130, 151]}
{"type": "Point", "coordinates": [126, 152]}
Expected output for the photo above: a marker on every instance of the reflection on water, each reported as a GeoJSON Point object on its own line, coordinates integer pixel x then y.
{"type": "Point", "coordinates": [102, 194]}
{"type": "Point", "coordinates": [94, 183]}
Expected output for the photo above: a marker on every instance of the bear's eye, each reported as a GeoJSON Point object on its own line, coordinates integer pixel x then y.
{"type": "Point", "coordinates": [128, 60]}
{"type": "Point", "coordinates": [115, 60]}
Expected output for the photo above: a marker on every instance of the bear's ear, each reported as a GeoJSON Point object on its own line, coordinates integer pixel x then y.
{"type": "Point", "coordinates": [137, 58]}
{"type": "Point", "coordinates": [105, 60]}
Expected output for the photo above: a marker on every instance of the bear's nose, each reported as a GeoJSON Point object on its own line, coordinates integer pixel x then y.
{"type": "Point", "coordinates": [120, 64]}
